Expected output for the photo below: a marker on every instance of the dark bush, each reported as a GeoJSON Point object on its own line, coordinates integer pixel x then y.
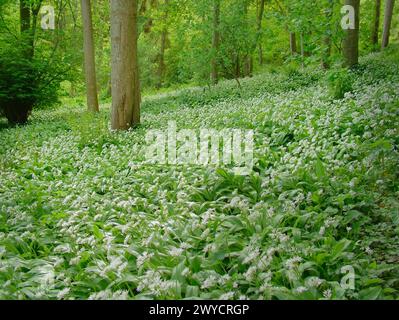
{"type": "Point", "coordinates": [25, 84]}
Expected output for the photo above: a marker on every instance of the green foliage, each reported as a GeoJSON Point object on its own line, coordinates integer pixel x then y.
{"type": "Point", "coordinates": [25, 84]}
{"type": "Point", "coordinates": [82, 216]}
{"type": "Point", "coordinates": [91, 130]}
{"type": "Point", "coordinates": [340, 82]}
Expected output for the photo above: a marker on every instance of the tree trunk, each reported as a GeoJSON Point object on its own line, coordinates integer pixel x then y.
{"type": "Point", "coordinates": [89, 57]}
{"type": "Point", "coordinates": [248, 66]}
{"type": "Point", "coordinates": [326, 51]}
{"type": "Point", "coordinates": [215, 42]}
{"type": "Point", "coordinates": [237, 66]}
{"type": "Point", "coordinates": [161, 63]}
{"type": "Point", "coordinates": [302, 42]}
{"type": "Point", "coordinates": [24, 13]}
{"type": "Point", "coordinates": [124, 63]}
{"type": "Point", "coordinates": [293, 43]}
{"type": "Point", "coordinates": [376, 24]}
{"type": "Point", "coordinates": [260, 54]}
{"type": "Point", "coordinates": [28, 19]}
{"type": "Point", "coordinates": [387, 22]}
{"type": "Point", "coordinates": [259, 30]}
{"type": "Point", "coordinates": [350, 45]}
{"type": "Point", "coordinates": [161, 57]}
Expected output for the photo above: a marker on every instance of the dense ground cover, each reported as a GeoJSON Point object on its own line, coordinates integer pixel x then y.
{"type": "Point", "coordinates": [81, 215]}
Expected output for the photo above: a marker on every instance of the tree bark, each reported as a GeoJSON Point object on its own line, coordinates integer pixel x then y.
{"type": "Point", "coordinates": [89, 57]}
{"type": "Point", "coordinates": [124, 62]}
{"type": "Point", "coordinates": [215, 42]}
{"type": "Point", "coordinates": [350, 45]}
{"type": "Point", "coordinates": [387, 22]}
{"type": "Point", "coordinates": [376, 24]}
{"type": "Point", "coordinates": [293, 43]}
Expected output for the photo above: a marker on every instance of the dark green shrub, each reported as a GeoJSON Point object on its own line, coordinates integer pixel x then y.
{"type": "Point", "coordinates": [340, 82]}
{"type": "Point", "coordinates": [25, 84]}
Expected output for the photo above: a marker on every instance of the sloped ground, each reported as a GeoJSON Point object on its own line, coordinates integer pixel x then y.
{"type": "Point", "coordinates": [81, 215]}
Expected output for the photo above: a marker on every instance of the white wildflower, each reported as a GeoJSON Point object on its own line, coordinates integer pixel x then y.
{"type": "Point", "coordinates": [327, 294]}
{"type": "Point", "coordinates": [61, 295]}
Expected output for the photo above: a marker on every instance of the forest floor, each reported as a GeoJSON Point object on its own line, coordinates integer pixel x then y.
{"type": "Point", "coordinates": [82, 215]}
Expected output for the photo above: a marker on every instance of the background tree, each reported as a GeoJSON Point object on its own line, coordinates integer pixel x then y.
{"type": "Point", "coordinates": [326, 50]}
{"type": "Point", "coordinates": [389, 5]}
{"type": "Point", "coordinates": [163, 44]}
{"type": "Point", "coordinates": [29, 11]}
{"type": "Point", "coordinates": [215, 41]}
{"type": "Point", "coordinates": [376, 23]}
{"type": "Point", "coordinates": [261, 11]}
{"type": "Point", "coordinates": [89, 57]}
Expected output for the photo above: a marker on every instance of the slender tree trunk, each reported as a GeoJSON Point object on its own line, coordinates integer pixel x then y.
{"type": "Point", "coordinates": [215, 42]}
{"type": "Point", "coordinates": [89, 57]}
{"type": "Point", "coordinates": [248, 66]}
{"type": "Point", "coordinates": [24, 13]}
{"type": "Point", "coordinates": [389, 4]}
{"type": "Point", "coordinates": [260, 54]}
{"type": "Point", "coordinates": [350, 45]}
{"type": "Point", "coordinates": [28, 20]}
{"type": "Point", "coordinates": [259, 30]}
{"type": "Point", "coordinates": [125, 77]}
{"type": "Point", "coordinates": [161, 57]}
{"type": "Point", "coordinates": [237, 66]}
{"type": "Point", "coordinates": [161, 62]}
{"type": "Point", "coordinates": [293, 43]}
{"type": "Point", "coordinates": [302, 41]}
{"type": "Point", "coordinates": [376, 24]}
{"type": "Point", "coordinates": [326, 53]}
{"type": "Point", "coordinates": [247, 62]}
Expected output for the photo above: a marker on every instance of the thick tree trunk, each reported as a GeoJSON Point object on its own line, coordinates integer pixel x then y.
{"type": "Point", "coordinates": [215, 42]}
{"type": "Point", "coordinates": [125, 77]}
{"type": "Point", "coordinates": [376, 23]}
{"type": "Point", "coordinates": [389, 4]}
{"type": "Point", "coordinates": [89, 57]}
{"type": "Point", "coordinates": [293, 43]}
{"type": "Point", "coordinates": [350, 45]}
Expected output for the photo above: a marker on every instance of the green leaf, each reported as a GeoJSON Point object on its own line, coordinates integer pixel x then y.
{"type": "Point", "coordinates": [370, 293]}
{"type": "Point", "coordinates": [97, 233]}
{"type": "Point", "coordinates": [192, 291]}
